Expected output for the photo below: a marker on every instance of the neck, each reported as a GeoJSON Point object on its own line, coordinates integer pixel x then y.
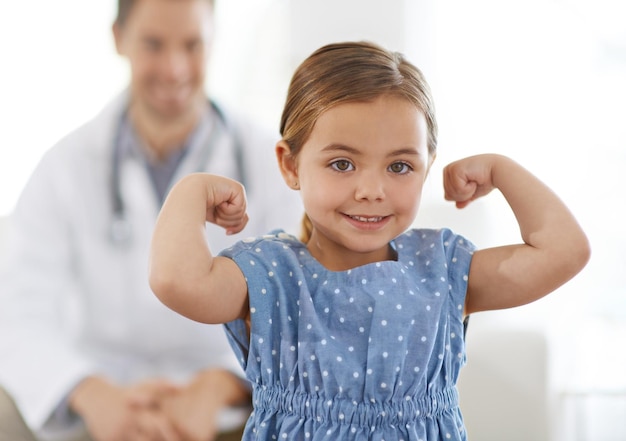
{"type": "Point", "coordinates": [162, 135]}
{"type": "Point", "coordinates": [338, 258]}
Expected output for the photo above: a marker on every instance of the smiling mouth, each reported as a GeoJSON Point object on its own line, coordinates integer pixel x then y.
{"type": "Point", "coordinates": [367, 219]}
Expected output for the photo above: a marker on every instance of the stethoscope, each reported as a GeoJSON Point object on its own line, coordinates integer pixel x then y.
{"type": "Point", "coordinates": [120, 230]}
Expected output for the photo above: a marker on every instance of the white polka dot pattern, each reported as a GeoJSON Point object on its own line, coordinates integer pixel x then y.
{"type": "Point", "coordinates": [369, 353]}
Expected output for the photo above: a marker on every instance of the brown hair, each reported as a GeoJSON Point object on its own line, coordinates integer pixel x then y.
{"type": "Point", "coordinates": [124, 8]}
{"type": "Point", "coordinates": [348, 72]}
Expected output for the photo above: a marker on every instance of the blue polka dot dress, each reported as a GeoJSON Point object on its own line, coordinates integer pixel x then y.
{"type": "Point", "coordinates": [372, 353]}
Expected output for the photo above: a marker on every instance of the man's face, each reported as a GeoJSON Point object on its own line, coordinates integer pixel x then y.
{"type": "Point", "coordinates": [167, 44]}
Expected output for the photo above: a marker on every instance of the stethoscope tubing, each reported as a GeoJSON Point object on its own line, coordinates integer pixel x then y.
{"type": "Point", "coordinates": [120, 230]}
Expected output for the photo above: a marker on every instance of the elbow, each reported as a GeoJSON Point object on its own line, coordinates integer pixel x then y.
{"type": "Point", "coordinates": [584, 252]}
{"type": "Point", "coordinates": [565, 262]}
{"type": "Point", "coordinates": [179, 295]}
{"type": "Point", "coordinates": [164, 288]}
{"type": "Point", "coordinates": [578, 254]}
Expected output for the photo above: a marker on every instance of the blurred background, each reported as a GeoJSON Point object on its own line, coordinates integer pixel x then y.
{"type": "Point", "coordinates": [543, 81]}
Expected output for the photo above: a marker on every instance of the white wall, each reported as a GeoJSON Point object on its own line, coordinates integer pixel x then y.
{"type": "Point", "coordinates": [58, 69]}
{"type": "Point", "coordinates": [544, 83]}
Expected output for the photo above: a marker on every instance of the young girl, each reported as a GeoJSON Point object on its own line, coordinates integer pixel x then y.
{"type": "Point", "coordinates": [356, 331]}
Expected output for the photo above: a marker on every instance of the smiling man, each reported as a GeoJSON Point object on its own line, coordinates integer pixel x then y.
{"type": "Point", "coordinates": [88, 352]}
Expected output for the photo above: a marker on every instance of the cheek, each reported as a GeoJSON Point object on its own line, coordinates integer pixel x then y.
{"type": "Point", "coordinates": [319, 193]}
{"type": "Point", "coordinates": [143, 68]}
{"type": "Point", "coordinates": [407, 199]}
{"type": "Point", "coordinates": [316, 194]}
{"type": "Point", "coordinates": [198, 64]}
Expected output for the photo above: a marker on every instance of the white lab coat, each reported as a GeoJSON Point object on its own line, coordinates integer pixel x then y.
{"type": "Point", "coordinates": [72, 303]}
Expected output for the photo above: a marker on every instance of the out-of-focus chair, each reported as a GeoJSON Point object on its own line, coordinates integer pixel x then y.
{"type": "Point", "coordinates": [504, 388]}
{"type": "Point", "coordinates": [3, 233]}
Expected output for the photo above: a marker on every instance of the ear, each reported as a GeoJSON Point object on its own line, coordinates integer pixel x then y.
{"type": "Point", "coordinates": [117, 37]}
{"type": "Point", "coordinates": [287, 165]}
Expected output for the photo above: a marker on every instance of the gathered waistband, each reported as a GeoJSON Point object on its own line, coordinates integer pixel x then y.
{"type": "Point", "coordinates": [344, 411]}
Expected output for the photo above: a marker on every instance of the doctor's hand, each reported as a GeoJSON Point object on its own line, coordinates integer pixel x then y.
{"type": "Point", "coordinates": [195, 408]}
{"type": "Point", "coordinates": [133, 413]}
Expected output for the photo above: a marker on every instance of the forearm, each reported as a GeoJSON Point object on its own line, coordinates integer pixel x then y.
{"type": "Point", "coordinates": [82, 395]}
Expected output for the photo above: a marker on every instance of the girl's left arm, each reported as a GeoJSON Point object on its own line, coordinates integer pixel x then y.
{"type": "Point", "coordinates": [554, 247]}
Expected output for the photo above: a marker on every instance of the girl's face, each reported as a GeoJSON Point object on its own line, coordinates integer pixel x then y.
{"type": "Point", "coordinates": [360, 175]}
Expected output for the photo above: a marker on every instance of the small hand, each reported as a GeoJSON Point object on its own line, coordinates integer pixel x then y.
{"type": "Point", "coordinates": [226, 205]}
{"type": "Point", "coordinates": [468, 179]}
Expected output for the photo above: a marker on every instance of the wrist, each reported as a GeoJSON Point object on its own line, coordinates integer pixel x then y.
{"type": "Point", "coordinates": [85, 393]}
{"type": "Point", "coordinates": [499, 166]}
{"type": "Point", "coordinates": [226, 388]}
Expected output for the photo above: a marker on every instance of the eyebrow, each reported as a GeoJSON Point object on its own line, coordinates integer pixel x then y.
{"type": "Point", "coordinates": [345, 148]}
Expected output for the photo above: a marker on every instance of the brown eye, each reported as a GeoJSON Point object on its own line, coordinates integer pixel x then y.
{"type": "Point", "coordinates": [400, 168]}
{"type": "Point", "coordinates": [342, 165]}
{"type": "Point", "coordinates": [152, 45]}
{"type": "Point", "coordinates": [194, 46]}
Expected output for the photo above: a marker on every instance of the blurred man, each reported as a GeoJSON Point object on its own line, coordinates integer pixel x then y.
{"type": "Point", "coordinates": [88, 352]}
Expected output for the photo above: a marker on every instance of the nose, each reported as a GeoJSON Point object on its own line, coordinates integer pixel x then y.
{"type": "Point", "coordinates": [176, 65]}
{"type": "Point", "coordinates": [370, 186]}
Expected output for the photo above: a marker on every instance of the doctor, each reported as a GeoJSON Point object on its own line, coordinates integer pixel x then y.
{"type": "Point", "coordinates": [86, 350]}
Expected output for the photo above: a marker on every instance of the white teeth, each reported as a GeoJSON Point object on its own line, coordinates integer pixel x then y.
{"type": "Point", "coordinates": [367, 219]}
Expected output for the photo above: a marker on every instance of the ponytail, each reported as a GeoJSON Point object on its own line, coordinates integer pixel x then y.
{"type": "Point", "coordinates": [306, 228]}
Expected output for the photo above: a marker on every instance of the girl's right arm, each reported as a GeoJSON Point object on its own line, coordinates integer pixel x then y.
{"type": "Point", "coordinates": [184, 274]}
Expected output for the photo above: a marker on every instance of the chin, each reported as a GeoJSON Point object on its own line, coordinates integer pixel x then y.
{"type": "Point", "coordinates": [174, 105]}
{"type": "Point", "coordinates": [172, 108]}
{"type": "Point", "coordinates": [368, 245]}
